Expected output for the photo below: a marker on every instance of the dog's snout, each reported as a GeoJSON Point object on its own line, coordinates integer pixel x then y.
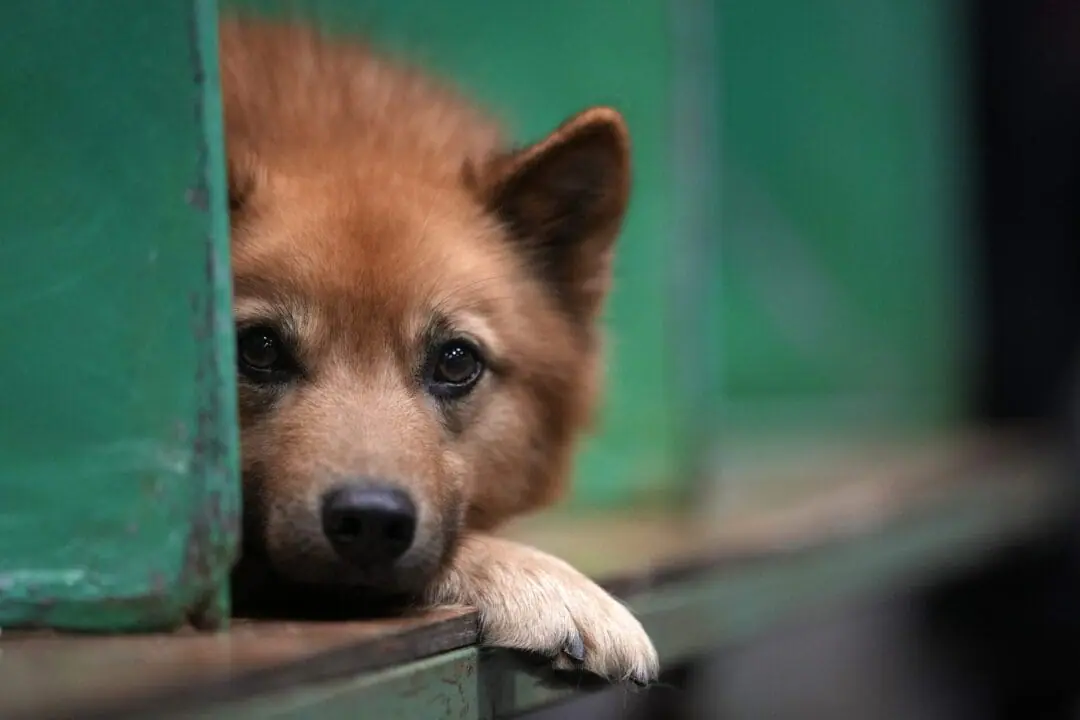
{"type": "Point", "coordinates": [368, 523]}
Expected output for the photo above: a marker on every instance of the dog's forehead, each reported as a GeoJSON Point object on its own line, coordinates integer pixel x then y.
{"type": "Point", "coordinates": [389, 255]}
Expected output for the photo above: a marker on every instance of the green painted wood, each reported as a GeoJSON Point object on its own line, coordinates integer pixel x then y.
{"type": "Point", "coordinates": [444, 686]}
{"type": "Point", "coordinates": [465, 683]}
{"type": "Point", "coordinates": [534, 64]}
{"type": "Point", "coordinates": [119, 491]}
{"type": "Point", "coordinates": [842, 213]}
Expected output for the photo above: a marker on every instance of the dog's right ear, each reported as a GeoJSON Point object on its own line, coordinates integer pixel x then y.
{"type": "Point", "coordinates": [563, 200]}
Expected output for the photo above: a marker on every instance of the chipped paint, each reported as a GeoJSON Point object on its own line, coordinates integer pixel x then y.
{"type": "Point", "coordinates": [213, 543]}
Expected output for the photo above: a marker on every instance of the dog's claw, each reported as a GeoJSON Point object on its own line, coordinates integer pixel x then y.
{"type": "Point", "coordinates": [575, 648]}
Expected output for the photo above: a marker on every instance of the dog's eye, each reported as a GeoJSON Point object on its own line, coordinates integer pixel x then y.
{"type": "Point", "coordinates": [262, 355]}
{"type": "Point", "coordinates": [456, 370]}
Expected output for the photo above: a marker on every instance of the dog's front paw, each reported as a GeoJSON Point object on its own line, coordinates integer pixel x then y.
{"type": "Point", "coordinates": [529, 600]}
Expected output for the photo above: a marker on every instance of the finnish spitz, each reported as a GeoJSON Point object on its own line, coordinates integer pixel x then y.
{"type": "Point", "coordinates": [418, 348]}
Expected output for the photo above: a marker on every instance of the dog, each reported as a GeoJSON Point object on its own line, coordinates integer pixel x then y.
{"type": "Point", "coordinates": [418, 345]}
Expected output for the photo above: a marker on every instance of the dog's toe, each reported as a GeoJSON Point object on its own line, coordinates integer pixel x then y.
{"type": "Point", "coordinates": [575, 648]}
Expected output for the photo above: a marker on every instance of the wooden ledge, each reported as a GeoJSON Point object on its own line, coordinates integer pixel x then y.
{"type": "Point", "coordinates": [61, 675]}
{"type": "Point", "coordinates": [695, 583]}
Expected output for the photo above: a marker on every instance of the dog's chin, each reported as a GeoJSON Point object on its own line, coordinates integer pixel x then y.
{"type": "Point", "coordinates": [304, 578]}
{"type": "Point", "coordinates": [262, 590]}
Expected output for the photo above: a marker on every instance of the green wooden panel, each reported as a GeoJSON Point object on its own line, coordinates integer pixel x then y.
{"type": "Point", "coordinates": [842, 212]}
{"type": "Point", "coordinates": [444, 686]}
{"type": "Point", "coordinates": [119, 493]}
{"type": "Point", "coordinates": [534, 64]}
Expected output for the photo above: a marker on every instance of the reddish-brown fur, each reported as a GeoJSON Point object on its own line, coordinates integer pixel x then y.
{"type": "Point", "coordinates": [371, 205]}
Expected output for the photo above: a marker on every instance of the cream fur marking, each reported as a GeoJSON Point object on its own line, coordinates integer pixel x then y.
{"type": "Point", "coordinates": [529, 600]}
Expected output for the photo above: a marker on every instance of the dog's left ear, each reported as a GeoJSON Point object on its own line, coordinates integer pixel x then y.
{"type": "Point", "coordinates": [563, 199]}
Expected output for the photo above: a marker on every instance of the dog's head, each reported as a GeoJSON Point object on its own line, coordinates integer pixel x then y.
{"type": "Point", "coordinates": [415, 309]}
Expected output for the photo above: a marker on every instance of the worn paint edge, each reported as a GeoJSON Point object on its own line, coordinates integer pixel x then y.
{"type": "Point", "coordinates": [444, 686]}
{"type": "Point", "coordinates": [212, 545]}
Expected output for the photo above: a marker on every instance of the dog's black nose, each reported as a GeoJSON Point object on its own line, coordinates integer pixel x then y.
{"type": "Point", "coordinates": [369, 524]}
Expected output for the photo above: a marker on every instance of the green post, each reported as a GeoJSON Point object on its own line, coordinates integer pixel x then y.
{"type": "Point", "coordinates": [119, 489]}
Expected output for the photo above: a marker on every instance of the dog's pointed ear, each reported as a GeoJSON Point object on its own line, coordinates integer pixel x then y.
{"type": "Point", "coordinates": [563, 199]}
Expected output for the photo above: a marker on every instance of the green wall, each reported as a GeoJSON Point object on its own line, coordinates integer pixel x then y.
{"type": "Point", "coordinates": [842, 213]}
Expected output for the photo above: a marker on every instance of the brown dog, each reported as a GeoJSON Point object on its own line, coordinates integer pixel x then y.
{"type": "Point", "coordinates": [416, 308]}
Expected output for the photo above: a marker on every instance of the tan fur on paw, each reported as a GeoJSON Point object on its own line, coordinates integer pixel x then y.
{"type": "Point", "coordinates": [529, 600]}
